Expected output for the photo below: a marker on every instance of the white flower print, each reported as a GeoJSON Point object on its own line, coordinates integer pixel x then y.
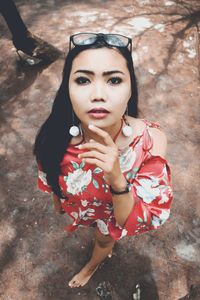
{"type": "Point", "coordinates": [164, 215]}
{"type": "Point", "coordinates": [43, 177]}
{"type": "Point", "coordinates": [164, 197]}
{"type": "Point", "coordinates": [74, 214]}
{"type": "Point", "coordinates": [145, 217]}
{"type": "Point", "coordinates": [86, 218]}
{"type": "Point", "coordinates": [124, 233]}
{"type": "Point", "coordinates": [78, 181]}
{"type": "Point", "coordinates": [90, 214]}
{"type": "Point", "coordinates": [108, 212]}
{"type": "Point", "coordinates": [102, 226]}
{"type": "Point", "coordinates": [86, 213]}
{"type": "Point", "coordinates": [84, 203]}
{"type": "Point", "coordinates": [108, 209]}
{"type": "Point", "coordinates": [154, 181]}
{"type": "Point", "coordinates": [148, 189]}
{"type": "Point", "coordinates": [96, 202]}
{"type": "Point", "coordinates": [109, 206]}
{"type": "Point", "coordinates": [157, 221]}
{"type": "Point", "coordinates": [127, 159]}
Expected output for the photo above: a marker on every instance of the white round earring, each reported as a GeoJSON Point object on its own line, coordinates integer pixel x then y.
{"type": "Point", "coordinates": [127, 129]}
{"type": "Point", "coordinates": [74, 130]}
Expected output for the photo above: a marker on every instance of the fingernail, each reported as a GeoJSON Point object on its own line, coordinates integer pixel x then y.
{"type": "Point", "coordinates": [90, 126]}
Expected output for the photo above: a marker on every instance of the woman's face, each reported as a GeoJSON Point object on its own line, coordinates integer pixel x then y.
{"type": "Point", "coordinates": [99, 79]}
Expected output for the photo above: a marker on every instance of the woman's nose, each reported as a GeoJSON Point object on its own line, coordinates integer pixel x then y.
{"type": "Point", "coordinates": [98, 92]}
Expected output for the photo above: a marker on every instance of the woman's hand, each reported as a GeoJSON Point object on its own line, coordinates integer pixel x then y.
{"type": "Point", "coordinates": [104, 157]}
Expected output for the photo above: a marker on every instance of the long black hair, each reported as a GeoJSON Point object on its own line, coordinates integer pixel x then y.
{"type": "Point", "coordinates": [53, 137]}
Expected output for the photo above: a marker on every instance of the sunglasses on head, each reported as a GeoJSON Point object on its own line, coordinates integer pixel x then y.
{"type": "Point", "coordinates": [87, 38]}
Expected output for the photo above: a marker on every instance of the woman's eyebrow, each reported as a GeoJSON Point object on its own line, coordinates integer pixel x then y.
{"type": "Point", "coordinates": [104, 73]}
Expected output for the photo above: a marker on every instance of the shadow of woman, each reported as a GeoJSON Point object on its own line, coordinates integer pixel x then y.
{"type": "Point", "coordinates": [118, 277]}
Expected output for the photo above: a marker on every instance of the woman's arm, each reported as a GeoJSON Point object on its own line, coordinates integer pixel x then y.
{"type": "Point", "coordinates": [43, 186]}
{"type": "Point", "coordinates": [122, 204]}
{"type": "Point", "coordinates": [159, 142]}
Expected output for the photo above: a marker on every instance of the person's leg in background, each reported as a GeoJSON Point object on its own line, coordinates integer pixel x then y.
{"type": "Point", "coordinates": [22, 38]}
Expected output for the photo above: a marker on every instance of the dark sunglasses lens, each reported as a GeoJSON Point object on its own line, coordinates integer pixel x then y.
{"type": "Point", "coordinates": [116, 40]}
{"type": "Point", "coordinates": [84, 39]}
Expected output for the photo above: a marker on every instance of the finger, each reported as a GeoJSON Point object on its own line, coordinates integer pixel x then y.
{"type": "Point", "coordinates": [95, 161]}
{"type": "Point", "coordinates": [94, 145]}
{"type": "Point", "coordinates": [93, 154]}
{"type": "Point", "coordinates": [106, 137]}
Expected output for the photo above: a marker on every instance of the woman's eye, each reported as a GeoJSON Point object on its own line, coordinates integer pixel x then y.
{"type": "Point", "coordinates": [115, 80]}
{"type": "Point", "coordinates": [81, 80]}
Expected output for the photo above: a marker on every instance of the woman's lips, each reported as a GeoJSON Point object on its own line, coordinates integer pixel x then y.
{"type": "Point", "coordinates": [98, 114]}
{"type": "Point", "coordinates": [98, 109]}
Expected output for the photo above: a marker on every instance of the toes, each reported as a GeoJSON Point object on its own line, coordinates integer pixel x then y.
{"type": "Point", "coordinates": [83, 284]}
{"type": "Point", "coordinates": [72, 283]}
{"type": "Point", "coordinates": [78, 284]}
{"type": "Point", "coordinates": [75, 283]}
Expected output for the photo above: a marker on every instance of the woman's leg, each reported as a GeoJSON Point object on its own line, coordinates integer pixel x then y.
{"type": "Point", "coordinates": [102, 248]}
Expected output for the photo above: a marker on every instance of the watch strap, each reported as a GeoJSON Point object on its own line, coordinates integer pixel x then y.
{"type": "Point", "coordinates": [125, 191]}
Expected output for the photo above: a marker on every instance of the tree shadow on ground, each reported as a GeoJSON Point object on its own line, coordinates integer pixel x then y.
{"type": "Point", "coordinates": [184, 13]}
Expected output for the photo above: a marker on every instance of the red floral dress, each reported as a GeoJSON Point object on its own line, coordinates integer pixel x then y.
{"type": "Point", "coordinates": [88, 199]}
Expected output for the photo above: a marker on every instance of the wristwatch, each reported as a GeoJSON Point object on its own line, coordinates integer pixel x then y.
{"type": "Point", "coordinates": [127, 189]}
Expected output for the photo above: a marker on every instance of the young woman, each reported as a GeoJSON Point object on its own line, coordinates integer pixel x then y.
{"type": "Point", "coordinates": [105, 167]}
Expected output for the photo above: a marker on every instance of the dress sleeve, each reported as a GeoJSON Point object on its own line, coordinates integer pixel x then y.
{"type": "Point", "coordinates": [42, 180]}
{"type": "Point", "coordinates": [152, 193]}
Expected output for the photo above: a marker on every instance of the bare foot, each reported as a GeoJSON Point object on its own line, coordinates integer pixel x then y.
{"type": "Point", "coordinates": [82, 277]}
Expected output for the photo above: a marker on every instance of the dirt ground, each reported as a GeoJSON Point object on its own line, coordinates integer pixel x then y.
{"type": "Point", "coordinates": [37, 257]}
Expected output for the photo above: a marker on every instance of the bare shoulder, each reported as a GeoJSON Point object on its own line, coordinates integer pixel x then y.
{"type": "Point", "coordinates": [159, 142]}
{"type": "Point", "coordinates": [159, 137]}
{"type": "Point", "coordinates": [137, 124]}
